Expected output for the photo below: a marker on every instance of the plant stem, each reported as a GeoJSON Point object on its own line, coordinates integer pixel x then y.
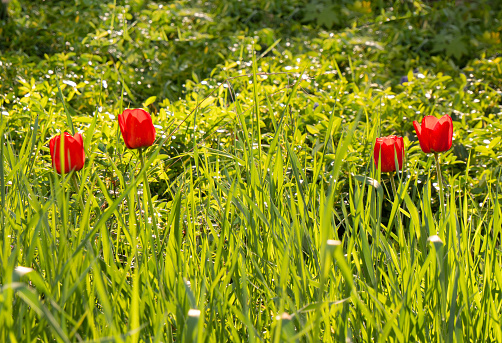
{"type": "Point", "coordinates": [146, 188]}
{"type": "Point", "coordinates": [440, 182]}
{"type": "Point", "coordinates": [394, 190]}
{"type": "Point", "coordinates": [393, 184]}
{"type": "Point", "coordinates": [74, 182]}
{"type": "Point", "coordinates": [141, 159]}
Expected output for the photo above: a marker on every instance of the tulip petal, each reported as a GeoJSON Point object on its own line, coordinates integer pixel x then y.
{"type": "Point", "coordinates": [135, 132]}
{"type": "Point", "coordinates": [137, 128]}
{"type": "Point", "coordinates": [388, 164]}
{"type": "Point", "coordinates": [435, 135]}
{"type": "Point", "coordinates": [386, 149]}
{"type": "Point", "coordinates": [79, 139]}
{"type": "Point", "coordinates": [422, 139]}
{"type": "Point", "coordinates": [377, 151]}
{"type": "Point", "coordinates": [77, 152]}
{"type": "Point", "coordinates": [400, 151]}
{"type": "Point", "coordinates": [73, 152]}
{"type": "Point", "coordinates": [429, 123]}
{"type": "Point", "coordinates": [441, 139]}
{"type": "Point", "coordinates": [122, 125]}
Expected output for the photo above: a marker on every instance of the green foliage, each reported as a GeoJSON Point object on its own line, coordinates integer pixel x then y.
{"type": "Point", "coordinates": [258, 214]}
{"type": "Point", "coordinates": [331, 13]}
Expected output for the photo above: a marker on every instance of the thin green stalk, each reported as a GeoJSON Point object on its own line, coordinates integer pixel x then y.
{"type": "Point", "coordinates": [74, 181]}
{"type": "Point", "coordinates": [394, 191]}
{"type": "Point", "coordinates": [146, 187]}
{"type": "Point", "coordinates": [440, 182]}
{"type": "Point", "coordinates": [393, 184]}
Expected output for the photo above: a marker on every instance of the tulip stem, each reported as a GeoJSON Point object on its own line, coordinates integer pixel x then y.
{"type": "Point", "coordinates": [74, 181]}
{"type": "Point", "coordinates": [440, 184]}
{"type": "Point", "coordinates": [394, 190]}
{"type": "Point", "coordinates": [145, 180]}
{"type": "Point", "coordinates": [146, 188]}
{"type": "Point", "coordinates": [393, 184]}
{"type": "Point", "coordinates": [141, 158]}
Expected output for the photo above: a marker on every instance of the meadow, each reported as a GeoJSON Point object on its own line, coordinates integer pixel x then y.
{"type": "Point", "coordinates": [258, 213]}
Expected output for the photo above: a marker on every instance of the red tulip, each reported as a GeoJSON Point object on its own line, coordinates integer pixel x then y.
{"type": "Point", "coordinates": [386, 148]}
{"type": "Point", "coordinates": [137, 128]}
{"type": "Point", "coordinates": [74, 155]}
{"type": "Point", "coordinates": [435, 135]}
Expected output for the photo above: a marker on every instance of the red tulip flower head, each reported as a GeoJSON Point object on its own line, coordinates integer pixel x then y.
{"type": "Point", "coordinates": [386, 149]}
{"type": "Point", "coordinates": [74, 155]}
{"type": "Point", "coordinates": [137, 128]}
{"type": "Point", "coordinates": [435, 135]}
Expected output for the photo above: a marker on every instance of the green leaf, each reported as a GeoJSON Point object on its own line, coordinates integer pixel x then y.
{"type": "Point", "coordinates": [149, 101]}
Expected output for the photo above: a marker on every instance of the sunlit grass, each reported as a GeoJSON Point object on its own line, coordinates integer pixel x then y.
{"type": "Point", "coordinates": [266, 218]}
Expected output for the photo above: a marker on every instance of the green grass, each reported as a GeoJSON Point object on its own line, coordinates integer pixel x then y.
{"type": "Point", "coordinates": [256, 217]}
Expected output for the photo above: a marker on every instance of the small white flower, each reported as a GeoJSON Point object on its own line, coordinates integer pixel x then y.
{"type": "Point", "coordinates": [70, 83]}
